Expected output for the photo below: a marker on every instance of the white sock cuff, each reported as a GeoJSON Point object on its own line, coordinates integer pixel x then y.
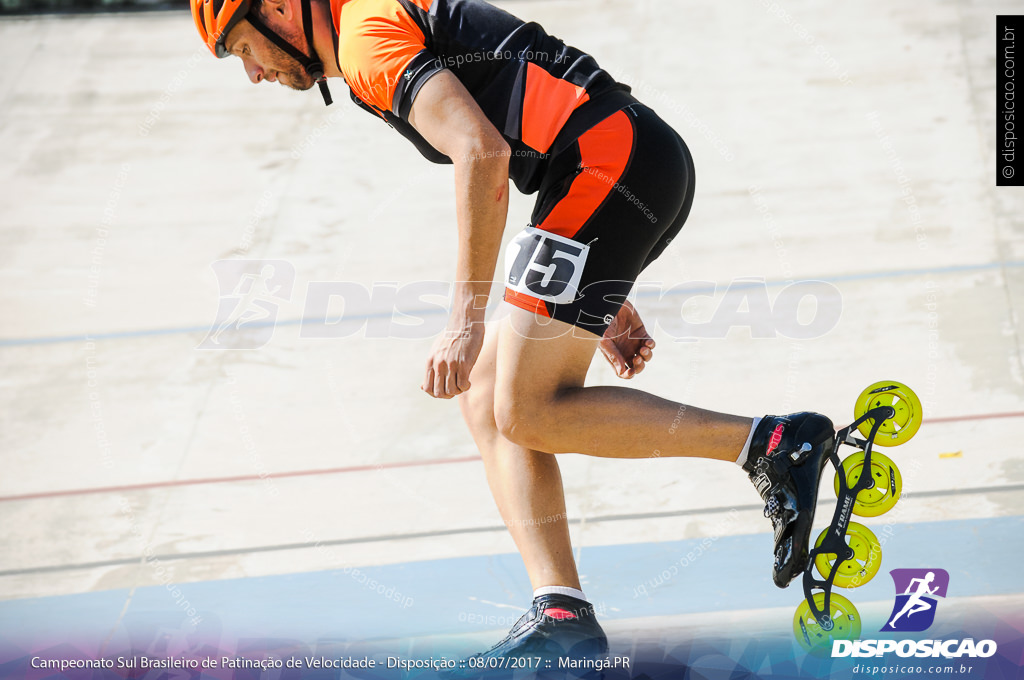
{"type": "Point", "coordinates": [746, 446]}
{"type": "Point", "coordinates": [560, 590]}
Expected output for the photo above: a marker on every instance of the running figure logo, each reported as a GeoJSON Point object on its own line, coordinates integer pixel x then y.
{"type": "Point", "coordinates": [251, 291]}
{"type": "Point", "coordinates": [916, 590]}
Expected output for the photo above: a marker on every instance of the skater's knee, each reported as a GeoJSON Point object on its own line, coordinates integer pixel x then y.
{"type": "Point", "coordinates": [523, 424]}
{"type": "Point", "coordinates": [477, 406]}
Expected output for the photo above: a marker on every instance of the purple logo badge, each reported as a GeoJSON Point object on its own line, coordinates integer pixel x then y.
{"type": "Point", "coordinates": [916, 590]}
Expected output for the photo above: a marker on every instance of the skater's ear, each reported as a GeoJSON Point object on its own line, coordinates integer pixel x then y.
{"type": "Point", "coordinates": [283, 11]}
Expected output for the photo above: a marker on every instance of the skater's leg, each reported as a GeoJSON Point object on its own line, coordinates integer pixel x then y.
{"type": "Point", "coordinates": [526, 485]}
{"type": "Point", "coordinates": [527, 488]}
{"type": "Point", "coordinates": [541, 402]}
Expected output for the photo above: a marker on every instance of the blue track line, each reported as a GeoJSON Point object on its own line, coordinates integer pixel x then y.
{"type": "Point", "coordinates": [483, 592]}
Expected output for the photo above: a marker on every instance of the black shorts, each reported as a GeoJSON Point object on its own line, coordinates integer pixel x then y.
{"type": "Point", "coordinates": [608, 206]}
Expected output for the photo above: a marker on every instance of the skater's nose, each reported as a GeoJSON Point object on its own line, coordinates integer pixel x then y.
{"type": "Point", "coordinates": [253, 70]}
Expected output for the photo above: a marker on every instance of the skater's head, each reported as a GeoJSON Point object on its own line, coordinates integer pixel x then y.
{"type": "Point", "coordinates": [240, 28]}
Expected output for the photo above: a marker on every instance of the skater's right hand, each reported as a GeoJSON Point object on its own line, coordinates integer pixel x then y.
{"type": "Point", "coordinates": [452, 358]}
{"type": "Point", "coordinates": [626, 344]}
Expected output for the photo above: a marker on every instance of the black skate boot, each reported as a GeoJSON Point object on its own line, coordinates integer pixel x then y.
{"type": "Point", "coordinates": [556, 627]}
{"type": "Point", "coordinates": [787, 456]}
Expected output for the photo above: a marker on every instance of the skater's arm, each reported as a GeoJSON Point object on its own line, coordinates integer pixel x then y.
{"type": "Point", "coordinates": [447, 116]}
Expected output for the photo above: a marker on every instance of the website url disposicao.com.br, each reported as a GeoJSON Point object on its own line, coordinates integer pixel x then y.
{"type": "Point", "coordinates": [944, 671]}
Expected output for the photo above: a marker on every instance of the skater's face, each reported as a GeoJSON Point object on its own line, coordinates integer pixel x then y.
{"type": "Point", "coordinates": [262, 59]}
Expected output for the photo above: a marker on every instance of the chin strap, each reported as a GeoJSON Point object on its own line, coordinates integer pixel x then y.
{"type": "Point", "coordinates": [313, 67]}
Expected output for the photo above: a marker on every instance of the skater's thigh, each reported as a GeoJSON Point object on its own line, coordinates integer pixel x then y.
{"type": "Point", "coordinates": [537, 357]}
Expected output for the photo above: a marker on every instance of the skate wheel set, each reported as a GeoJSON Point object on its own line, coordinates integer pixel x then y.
{"type": "Point", "coordinates": [867, 484]}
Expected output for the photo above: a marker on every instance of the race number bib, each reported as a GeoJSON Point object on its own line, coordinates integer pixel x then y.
{"type": "Point", "coordinates": [545, 265]}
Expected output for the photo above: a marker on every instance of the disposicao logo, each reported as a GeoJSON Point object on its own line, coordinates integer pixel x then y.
{"type": "Point", "coordinates": [948, 649]}
{"type": "Point", "coordinates": [913, 612]}
{"type": "Point", "coordinates": [916, 592]}
{"type": "Point", "coordinates": [251, 292]}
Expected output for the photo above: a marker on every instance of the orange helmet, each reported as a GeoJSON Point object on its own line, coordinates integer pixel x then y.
{"type": "Point", "coordinates": [214, 18]}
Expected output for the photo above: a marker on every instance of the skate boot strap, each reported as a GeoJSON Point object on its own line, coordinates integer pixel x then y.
{"type": "Point", "coordinates": [773, 507]}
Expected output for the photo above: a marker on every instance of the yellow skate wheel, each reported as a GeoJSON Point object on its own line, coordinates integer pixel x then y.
{"type": "Point", "coordinates": [867, 557]}
{"type": "Point", "coordinates": [901, 427]}
{"type": "Point", "coordinates": [888, 484]}
{"type": "Point", "coordinates": [812, 636]}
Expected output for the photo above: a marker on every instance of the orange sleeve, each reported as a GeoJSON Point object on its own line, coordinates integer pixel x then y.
{"type": "Point", "coordinates": [377, 40]}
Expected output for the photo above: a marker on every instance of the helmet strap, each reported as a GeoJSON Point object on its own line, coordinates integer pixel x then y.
{"type": "Point", "coordinates": [312, 66]}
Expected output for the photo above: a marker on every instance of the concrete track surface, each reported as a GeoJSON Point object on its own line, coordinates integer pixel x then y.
{"type": "Point", "coordinates": [307, 490]}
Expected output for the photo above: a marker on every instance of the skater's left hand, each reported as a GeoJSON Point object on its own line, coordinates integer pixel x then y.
{"type": "Point", "coordinates": [626, 344]}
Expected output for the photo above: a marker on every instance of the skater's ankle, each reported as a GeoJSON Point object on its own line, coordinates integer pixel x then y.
{"type": "Point", "coordinates": [560, 590]}
{"type": "Point", "coordinates": [745, 452]}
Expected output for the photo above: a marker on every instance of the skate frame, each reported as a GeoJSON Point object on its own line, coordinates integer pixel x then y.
{"type": "Point", "coordinates": [835, 540]}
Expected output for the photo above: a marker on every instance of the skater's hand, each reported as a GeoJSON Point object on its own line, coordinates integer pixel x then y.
{"type": "Point", "coordinates": [626, 344]}
{"type": "Point", "coordinates": [452, 359]}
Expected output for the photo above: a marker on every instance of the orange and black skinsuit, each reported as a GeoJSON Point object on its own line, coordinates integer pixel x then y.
{"type": "Point", "coordinates": [615, 182]}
